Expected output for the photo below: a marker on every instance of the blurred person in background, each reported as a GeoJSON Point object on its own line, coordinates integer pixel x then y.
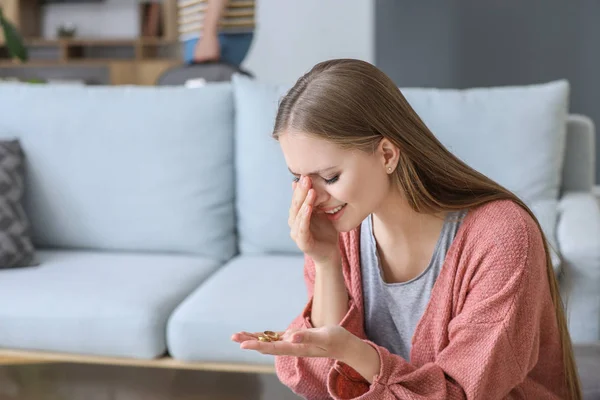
{"type": "Point", "coordinates": [216, 30]}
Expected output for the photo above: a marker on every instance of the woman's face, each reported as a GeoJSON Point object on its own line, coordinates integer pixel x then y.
{"type": "Point", "coordinates": [349, 184]}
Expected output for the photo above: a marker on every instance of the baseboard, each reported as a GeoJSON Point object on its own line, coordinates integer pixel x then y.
{"type": "Point", "coordinates": [16, 357]}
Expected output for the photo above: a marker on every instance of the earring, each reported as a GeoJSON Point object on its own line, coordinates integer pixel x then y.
{"type": "Point", "coordinates": [389, 169]}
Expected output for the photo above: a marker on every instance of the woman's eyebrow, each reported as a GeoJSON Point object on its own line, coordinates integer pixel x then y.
{"type": "Point", "coordinates": [318, 172]}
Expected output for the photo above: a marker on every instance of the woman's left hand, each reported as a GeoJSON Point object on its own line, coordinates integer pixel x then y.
{"type": "Point", "coordinates": [329, 341]}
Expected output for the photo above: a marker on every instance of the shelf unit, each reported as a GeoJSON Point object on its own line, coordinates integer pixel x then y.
{"type": "Point", "coordinates": [126, 61]}
{"type": "Point", "coordinates": [24, 14]}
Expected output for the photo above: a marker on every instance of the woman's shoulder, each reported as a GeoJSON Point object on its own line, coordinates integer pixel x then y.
{"type": "Point", "coordinates": [506, 216]}
{"type": "Point", "coordinates": [501, 223]}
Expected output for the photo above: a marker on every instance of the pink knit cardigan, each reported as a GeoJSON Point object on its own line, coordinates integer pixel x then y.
{"type": "Point", "coordinates": [489, 330]}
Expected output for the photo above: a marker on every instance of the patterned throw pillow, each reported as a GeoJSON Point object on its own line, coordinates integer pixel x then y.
{"type": "Point", "coordinates": [16, 247]}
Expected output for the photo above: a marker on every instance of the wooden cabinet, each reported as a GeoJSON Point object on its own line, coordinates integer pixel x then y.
{"type": "Point", "coordinates": [127, 61]}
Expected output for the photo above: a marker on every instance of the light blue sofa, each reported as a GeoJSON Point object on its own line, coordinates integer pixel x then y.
{"type": "Point", "coordinates": [159, 214]}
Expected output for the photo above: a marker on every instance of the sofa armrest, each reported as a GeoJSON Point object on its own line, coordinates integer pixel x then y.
{"type": "Point", "coordinates": [579, 163]}
{"type": "Point", "coordinates": [578, 234]}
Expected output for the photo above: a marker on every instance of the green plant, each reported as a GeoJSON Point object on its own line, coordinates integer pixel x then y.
{"type": "Point", "coordinates": [14, 41]}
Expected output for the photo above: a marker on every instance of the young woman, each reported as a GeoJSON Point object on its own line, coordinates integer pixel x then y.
{"type": "Point", "coordinates": [426, 279]}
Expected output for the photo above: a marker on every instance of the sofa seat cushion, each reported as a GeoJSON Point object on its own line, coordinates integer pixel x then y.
{"type": "Point", "coordinates": [587, 358]}
{"type": "Point", "coordinates": [107, 304]}
{"type": "Point", "coordinates": [250, 293]}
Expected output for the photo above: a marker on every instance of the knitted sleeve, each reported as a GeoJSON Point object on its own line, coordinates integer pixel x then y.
{"type": "Point", "coordinates": [306, 376]}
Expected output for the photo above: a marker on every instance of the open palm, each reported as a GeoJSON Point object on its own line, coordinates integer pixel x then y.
{"type": "Point", "coordinates": [327, 341]}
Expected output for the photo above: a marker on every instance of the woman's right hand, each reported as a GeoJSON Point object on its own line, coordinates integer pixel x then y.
{"type": "Point", "coordinates": [313, 233]}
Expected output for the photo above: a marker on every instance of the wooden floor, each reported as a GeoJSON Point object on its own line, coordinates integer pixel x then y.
{"type": "Point", "coordinates": [97, 382]}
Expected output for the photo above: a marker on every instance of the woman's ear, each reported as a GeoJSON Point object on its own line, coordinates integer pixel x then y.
{"type": "Point", "coordinates": [390, 155]}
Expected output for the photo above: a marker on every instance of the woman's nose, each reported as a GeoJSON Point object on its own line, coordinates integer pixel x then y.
{"type": "Point", "coordinates": [322, 196]}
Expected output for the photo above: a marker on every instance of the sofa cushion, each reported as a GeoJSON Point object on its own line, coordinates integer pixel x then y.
{"type": "Point", "coordinates": [269, 293]}
{"type": "Point", "coordinates": [127, 168]}
{"type": "Point", "coordinates": [106, 304]}
{"type": "Point", "coordinates": [587, 359]}
{"type": "Point", "coordinates": [515, 135]}
{"type": "Point", "coordinates": [16, 247]}
{"type": "Point", "coordinates": [262, 181]}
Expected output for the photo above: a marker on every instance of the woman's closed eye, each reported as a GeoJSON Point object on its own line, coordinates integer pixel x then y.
{"type": "Point", "coordinates": [327, 181]}
{"type": "Point", "coordinates": [331, 180]}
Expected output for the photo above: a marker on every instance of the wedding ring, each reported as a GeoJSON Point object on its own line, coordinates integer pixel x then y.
{"type": "Point", "coordinates": [263, 339]}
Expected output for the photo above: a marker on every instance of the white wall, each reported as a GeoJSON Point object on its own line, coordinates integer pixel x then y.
{"type": "Point", "coordinates": [291, 36]}
{"type": "Point", "coordinates": [109, 19]}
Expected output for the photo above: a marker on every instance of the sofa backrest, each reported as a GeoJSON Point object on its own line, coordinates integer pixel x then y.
{"type": "Point", "coordinates": [515, 135]}
{"type": "Point", "coordinates": [161, 169]}
{"type": "Point", "coordinates": [126, 168]}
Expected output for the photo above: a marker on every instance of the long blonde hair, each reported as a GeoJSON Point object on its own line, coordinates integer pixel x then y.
{"type": "Point", "coordinates": [355, 105]}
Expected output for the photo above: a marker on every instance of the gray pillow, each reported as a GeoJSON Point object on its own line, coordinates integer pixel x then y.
{"type": "Point", "coordinates": [16, 247]}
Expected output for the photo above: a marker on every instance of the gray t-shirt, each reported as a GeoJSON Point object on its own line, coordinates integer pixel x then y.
{"type": "Point", "coordinates": [392, 310]}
